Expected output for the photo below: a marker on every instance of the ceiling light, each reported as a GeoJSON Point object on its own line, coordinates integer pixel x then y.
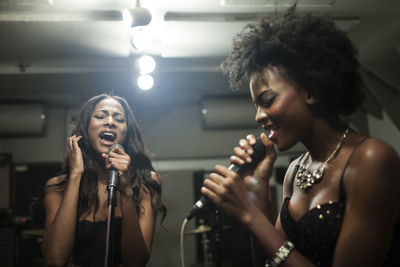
{"type": "Point", "coordinates": [141, 39]}
{"type": "Point", "coordinates": [145, 82]}
{"type": "Point", "coordinates": [146, 64]}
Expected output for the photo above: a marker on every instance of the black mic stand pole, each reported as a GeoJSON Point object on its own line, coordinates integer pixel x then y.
{"type": "Point", "coordinates": [112, 187]}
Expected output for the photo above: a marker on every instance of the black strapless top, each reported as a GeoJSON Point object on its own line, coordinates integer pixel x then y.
{"type": "Point", "coordinates": [315, 234]}
{"type": "Point", "coordinates": [90, 243]}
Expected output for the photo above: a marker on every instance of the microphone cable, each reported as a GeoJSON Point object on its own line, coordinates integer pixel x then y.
{"type": "Point", "coordinates": [181, 241]}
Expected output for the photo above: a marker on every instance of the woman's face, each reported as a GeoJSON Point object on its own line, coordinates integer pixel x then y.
{"type": "Point", "coordinates": [107, 125]}
{"type": "Point", "coordinates": [281, 108]}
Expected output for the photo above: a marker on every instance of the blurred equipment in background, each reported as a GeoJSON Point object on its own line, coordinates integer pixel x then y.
{"type": "Point", "coordinates": [21, 210]}
{"type": "Point", "coordinates": [22, 119]}
{"type": "Point", "coordinates": [7, 230]}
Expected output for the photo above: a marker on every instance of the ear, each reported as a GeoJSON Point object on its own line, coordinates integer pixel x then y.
{"type": "Point", "coordinates": [310, 98]}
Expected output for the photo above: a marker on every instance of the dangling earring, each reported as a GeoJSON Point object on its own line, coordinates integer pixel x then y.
{"type": "Point", "coordinates": [311, 100]}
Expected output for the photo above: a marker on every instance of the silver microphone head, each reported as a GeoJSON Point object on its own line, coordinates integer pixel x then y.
{"type": "Point", "coordinates": [116, 145]}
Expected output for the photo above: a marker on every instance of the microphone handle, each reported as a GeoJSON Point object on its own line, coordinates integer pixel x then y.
{"type": "Point", "coordinates": [113, 179]}
{"type": "Point", "coordinates": [200, 204]}
{"type": "Point", "coordinates": [204, 201]}
{"type": "Point", "coordinates": [258, 155]}
{"type": "Point", "coordinates": [112, 186]}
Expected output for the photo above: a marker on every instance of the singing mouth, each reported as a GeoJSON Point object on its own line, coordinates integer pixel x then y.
{"type": "Point", "coordinates": [107, 138]}
{"type": "Point", "coordinates": [271, 131]}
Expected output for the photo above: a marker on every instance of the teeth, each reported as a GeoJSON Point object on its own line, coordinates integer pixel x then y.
{"type": "Point", "coordinates": [271, 133]}
{"type": "Point", "coordinates": [108, 136]}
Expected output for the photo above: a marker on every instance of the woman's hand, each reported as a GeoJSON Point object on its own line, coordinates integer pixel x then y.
{"type": "Point", "coordinates": [243, 155]}
{"type": "Point", "coordinates": [75, 158]}
{"type": "Point", "coordinates": [231, 193]}
{"type": "Point", "coordinates": [227, 190]}
{"type": "Point", "coordinates": [119, 160]}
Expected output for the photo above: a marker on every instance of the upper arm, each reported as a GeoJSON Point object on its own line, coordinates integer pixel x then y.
{"type": "Point", "coordinates": [52, 199]}
{"type": "Point", "coordinates": [147, 215]}
{"type": "Point", "coordinates": [287, 190]}
{"type": "Point", "coordinates": [288, 180]}
{"type": "Point", "coordinates": [372, 187]}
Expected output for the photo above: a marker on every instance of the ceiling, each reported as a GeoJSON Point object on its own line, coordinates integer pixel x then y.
{"type": "Point", "coordinates": [60, 51]}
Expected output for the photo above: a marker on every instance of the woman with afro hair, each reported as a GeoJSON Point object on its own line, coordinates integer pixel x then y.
{"type": "Point", "coordinates": [341, 198]}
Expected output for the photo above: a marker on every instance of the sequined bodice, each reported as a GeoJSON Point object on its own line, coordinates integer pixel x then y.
{"type": "Point", "coordinates": [316, 232]}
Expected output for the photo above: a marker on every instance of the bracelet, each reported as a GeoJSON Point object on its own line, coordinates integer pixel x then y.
{"type": "Point", "coordinates": [281, 255]}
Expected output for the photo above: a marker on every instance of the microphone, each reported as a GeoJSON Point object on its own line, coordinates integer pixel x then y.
{"type": "Point", "coordinates": [113, 178]}
{"type": "Point", "coordinates": [257, 156]}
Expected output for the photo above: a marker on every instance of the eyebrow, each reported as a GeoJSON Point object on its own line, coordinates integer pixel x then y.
{"type": "Point", "coordinates": [116, 113]}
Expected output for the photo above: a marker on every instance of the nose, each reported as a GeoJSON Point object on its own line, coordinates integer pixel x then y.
{"type": "Point", "coordinates": [110, 121]}
{"type": "Point", "coordinates": [261, 115]}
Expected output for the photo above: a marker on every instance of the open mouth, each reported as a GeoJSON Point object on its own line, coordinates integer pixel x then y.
{"type": "Point", "coordinates": [107, 138]}
{"type": "Point", "coordinates": [271, 131]}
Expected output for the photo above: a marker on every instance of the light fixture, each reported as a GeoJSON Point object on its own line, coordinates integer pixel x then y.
{"type": "Point", "coordinates": [141, 39]}
{"type": "Point", "coordinates": [146, 64]}
{"type": "Point", "coordinates": [137, 16]}
{"type": "Point", "coordinates": [145, 82]}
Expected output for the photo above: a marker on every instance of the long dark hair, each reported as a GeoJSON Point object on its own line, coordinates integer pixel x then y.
{"type": "Point", "coordinates": [141, 167]}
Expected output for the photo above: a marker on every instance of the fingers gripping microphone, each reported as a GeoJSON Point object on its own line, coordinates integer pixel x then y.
{"type": "Point", "coordinates": [258, 155]}
{"type": "Point", "coordinates": [113, 178]}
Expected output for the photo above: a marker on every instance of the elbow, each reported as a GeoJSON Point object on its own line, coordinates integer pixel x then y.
{"type": "Point", "coordinates": [146, 259]}
{"type": "Point", "coordinates": [146, 256]}
{"type": "Point", "coordinates": [143, 260]}
{"type": "Point", "coordinates": [54, 262]}
{"type": "Point", "coordinates": [54, 259]}
{"type": "Point", "coordinates": [138, 261]}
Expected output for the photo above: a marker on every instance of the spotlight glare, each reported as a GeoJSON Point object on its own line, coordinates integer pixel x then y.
{"type": "Point", "coordinates": [127, 17]}
{"type": "Point", "coordinates": [146, 64]}
{"type": "Point", "coordinates": [145, 82]}
{"type": "Point", "coordinates": [141, 39]}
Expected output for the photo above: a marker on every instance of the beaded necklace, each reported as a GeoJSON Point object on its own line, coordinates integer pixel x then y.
{"type": "Point", "coordinates": [305, 178]}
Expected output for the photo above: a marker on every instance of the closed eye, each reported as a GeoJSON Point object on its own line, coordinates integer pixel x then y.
{"type": "Point", "coordinates": [120, 120]}
{"type": "Point", "coordinates": [266, 99]}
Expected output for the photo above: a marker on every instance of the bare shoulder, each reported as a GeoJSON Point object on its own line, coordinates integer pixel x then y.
{"type": "Point", "coordinates": [377, 153]}
{"type": "Point", "coordinates": [374, 166]}
{"type": "Point", "coordinates": [155, 177]}
{"type": "Point", "coordinates": [56, 180]}
{"type": "Point", "coordinates": [53, 182]}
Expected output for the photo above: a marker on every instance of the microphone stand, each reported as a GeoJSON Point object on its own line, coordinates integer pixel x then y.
{"type": "Point", "coordinates": [112, 186]}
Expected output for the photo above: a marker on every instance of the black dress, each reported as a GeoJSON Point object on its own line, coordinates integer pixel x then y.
{"type": "Point", "coordinates": [315, 234]}
{"type": "Point", "coordinates": [90, 243]}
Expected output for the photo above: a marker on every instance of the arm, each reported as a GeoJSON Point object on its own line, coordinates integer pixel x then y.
{"type": "Point", "coordinates": [61, 211]}
{"type": "Point", "coordinates": [373, 187]}
{"type": "Point", "coordinates": [287, 190]}
{"type": "Point", "coordinates": [230, 193]}
{"type": "Point", "coordinates": [259, 253]}
{"type": "Point", "coordinates": [137, 229]}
